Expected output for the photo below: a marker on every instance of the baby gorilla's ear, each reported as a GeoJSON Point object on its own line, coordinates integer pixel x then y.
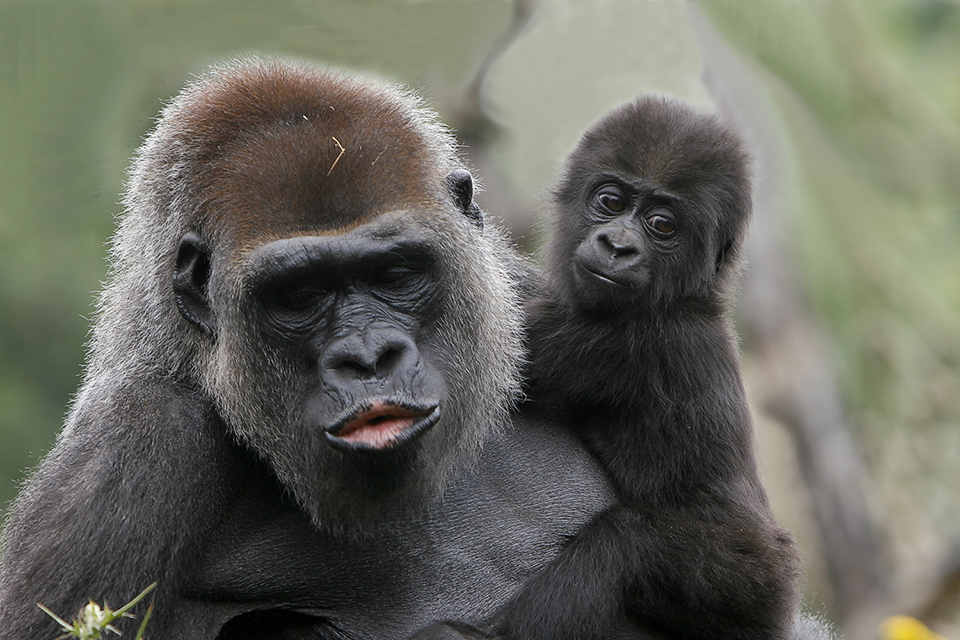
{"type": "Point", "coordinates": [722, 255]}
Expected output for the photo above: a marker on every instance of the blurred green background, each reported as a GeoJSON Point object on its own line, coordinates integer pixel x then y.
{"type": "Point", "coordinates": [851, 305]}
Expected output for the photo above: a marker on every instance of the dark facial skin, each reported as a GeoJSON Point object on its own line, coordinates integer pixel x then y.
{"type": "Point", "coordinates": [348, 311]}
{"type": "Point", "coordinates": [352, 307]}
{"type": "Point", "coordinates": [632, 230]}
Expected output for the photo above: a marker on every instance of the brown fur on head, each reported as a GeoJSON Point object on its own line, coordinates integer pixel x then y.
{"type": "Point", "coordinates": [259, 133]}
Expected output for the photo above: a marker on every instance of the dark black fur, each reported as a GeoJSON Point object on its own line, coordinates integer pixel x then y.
{"type": "Point", "coordinates": [634, 347]}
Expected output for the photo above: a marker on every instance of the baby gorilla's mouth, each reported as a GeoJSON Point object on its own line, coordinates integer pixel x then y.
{"type": "Point", "coordinates": [381, 426]}
{"type": "Point", "coordinates": [602, 276]}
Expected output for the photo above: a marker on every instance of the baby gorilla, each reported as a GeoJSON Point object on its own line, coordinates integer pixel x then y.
{"type": "Point", "coordinates": [633, 347]}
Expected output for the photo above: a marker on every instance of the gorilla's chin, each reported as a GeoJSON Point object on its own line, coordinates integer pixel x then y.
{"type": "Point", "coordinates": [357, 490]}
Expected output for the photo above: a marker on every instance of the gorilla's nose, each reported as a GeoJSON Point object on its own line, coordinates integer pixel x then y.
{"type": "Point", "coordinates": [374, 353]}
{"type": "Point", "coordinates": [618, 248]}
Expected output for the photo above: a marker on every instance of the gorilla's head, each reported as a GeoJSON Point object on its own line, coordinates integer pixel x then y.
{"type": "Point", "coordinates": [651, 209]}
{"type": "Point", "coordinates": [304, 246]}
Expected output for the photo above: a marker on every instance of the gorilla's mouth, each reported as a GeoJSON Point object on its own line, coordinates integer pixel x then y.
{"type": "Point", "coordinates": [381, 426]}
{"type": "Point", "coordinates": [595, 273]}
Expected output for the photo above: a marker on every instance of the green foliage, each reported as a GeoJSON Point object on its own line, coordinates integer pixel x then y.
{"type": "Point", "coordinates": [93, 621]}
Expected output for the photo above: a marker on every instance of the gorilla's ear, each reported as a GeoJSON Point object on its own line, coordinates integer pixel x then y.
{"type": "Point", "coordinates": [190, 277]}
{"type": "Point", "coordinates": [722, 255]}
{"type": "Point", "coordinates": [461, 188]}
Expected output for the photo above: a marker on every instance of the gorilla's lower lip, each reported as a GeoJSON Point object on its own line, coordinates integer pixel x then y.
{"type": "Point", "coordinates": [381, 426]}
{"type": "Point", "coordinates": [601, 276]}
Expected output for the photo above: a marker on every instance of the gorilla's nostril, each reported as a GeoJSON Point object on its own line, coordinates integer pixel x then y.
{"type": "Point", "coordinates": [388, 361]}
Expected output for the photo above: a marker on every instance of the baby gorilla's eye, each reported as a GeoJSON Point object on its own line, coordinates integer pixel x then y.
{"type": "Point", "coordinates": [660, 221]}
{"type": "Point", "coordinates": [611, 199]}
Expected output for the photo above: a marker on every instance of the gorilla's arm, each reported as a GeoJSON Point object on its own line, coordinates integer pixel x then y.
{"type": "Point", "coordinates": [119, 503]}
{"type": "Point", "coordinates": [677, 571]}
{"type": "Point", "coordinates": [644, 573]}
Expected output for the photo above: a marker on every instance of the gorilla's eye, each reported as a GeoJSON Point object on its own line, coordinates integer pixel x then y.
{"type": "Point", "coordinates": [660, 221]}
{"type": "Point", "coordinates": [396, 274]}
{"type": "Point", "coordinates": [298, 297]}
{"type": "Point", "coordinates": [611, 199]}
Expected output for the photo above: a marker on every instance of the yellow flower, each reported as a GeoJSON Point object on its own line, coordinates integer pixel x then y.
{"type": "Point", "coordinates": [906, 628]}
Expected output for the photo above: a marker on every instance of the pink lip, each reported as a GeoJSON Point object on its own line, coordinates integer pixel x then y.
{"type": "Point", "coordinates": [379, 426]}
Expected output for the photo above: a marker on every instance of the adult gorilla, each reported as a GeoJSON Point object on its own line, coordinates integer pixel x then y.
{"type": "Point", "coordinates": [306, 338]}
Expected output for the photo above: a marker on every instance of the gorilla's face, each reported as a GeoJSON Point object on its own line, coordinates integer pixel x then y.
{"type": "Point", "coordinates": [651, 209]}
{"type": "Point", "coordinates": [337, 367]}
{"type": "Point", "coordinates": [638, 245]}
{"type": "Point", "coordinates": [360, 364]}
{"type": "Point", "coordinates": [352, 311]}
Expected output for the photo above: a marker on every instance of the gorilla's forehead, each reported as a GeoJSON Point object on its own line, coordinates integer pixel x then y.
{"type": "Point", "coordinates": [666, 143]}
{"type": "Point", "coordinates": [304, 177]}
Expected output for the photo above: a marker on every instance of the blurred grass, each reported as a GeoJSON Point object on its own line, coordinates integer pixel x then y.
{"type": "Point", "coordinates": [869, 96]}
